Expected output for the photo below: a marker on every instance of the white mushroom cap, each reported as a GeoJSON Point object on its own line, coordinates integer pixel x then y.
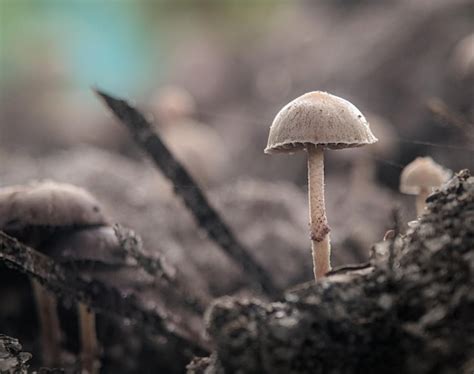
{"type": "Point", "coordinates": [321, 119]}
{"type": "Point", "coordinates": [48, 203]}
{"type": "Point", "coordinates": [422, 173]}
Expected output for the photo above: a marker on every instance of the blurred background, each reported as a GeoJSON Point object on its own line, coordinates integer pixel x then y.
{"type": "Point", "coordinates": [212, 75]}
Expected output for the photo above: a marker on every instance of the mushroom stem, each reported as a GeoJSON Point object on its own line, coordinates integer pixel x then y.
{"type": "Point", "coordinates": [317, 213]}
{"type": "Point", "coordinates": [89, 344]}
{"type": "Point", "coordinates": [421, 201]}
{"type": "Point", "coordinates": [50, 339]}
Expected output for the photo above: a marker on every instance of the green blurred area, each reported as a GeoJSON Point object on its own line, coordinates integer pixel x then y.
{"type": "Point", "coordinates": [119, 45]}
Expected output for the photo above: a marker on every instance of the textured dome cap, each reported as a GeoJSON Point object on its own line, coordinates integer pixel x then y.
{"type": "Point", "coordinates": [318, 118]}
{"type": "Point", "coordinates": [48, 203]}
{"type": "Point", "coordinates": [422, 173]}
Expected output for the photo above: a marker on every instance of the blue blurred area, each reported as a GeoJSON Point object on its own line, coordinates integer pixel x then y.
{"type": "Point", "coordinates": [109, 45]}
{"type": "Point", "coordinates": [97, 42]}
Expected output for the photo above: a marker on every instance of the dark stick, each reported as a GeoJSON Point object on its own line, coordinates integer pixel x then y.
{"type": "Point", "coordinates": [184, 185]}
{"type": "Point", "coordinates": [97, 295]}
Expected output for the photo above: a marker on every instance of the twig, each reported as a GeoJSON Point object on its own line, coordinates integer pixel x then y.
{"type": "Point", "coordinates": [95, 294]}
{"type": "Point", "coordinates": [349, 268]}
{"type": "Point", "coordinates": [444, 113]}
{"type": "Point", "coordinates": [184, 185]}
{"type": "Point", "coordinates": [132, 245]}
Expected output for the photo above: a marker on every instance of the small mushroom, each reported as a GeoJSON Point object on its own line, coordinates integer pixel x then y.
{"type": "Point", "coordinates": [35, 214]}
{"type": "Point", "coordinates": [188, 139]}
{"type": "Point", "coordinates": [99, 254]}
{"type": "Point", "coordinates": [419, 178]}
{"type": "Point", "coordinates": [314, 122]}
{"type": "Point", "coordinates": [172, 103]}
{"type": "Point", "coordinates": [462, 60]}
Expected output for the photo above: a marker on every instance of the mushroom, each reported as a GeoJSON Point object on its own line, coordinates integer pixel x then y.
{"type": "Point", "coordinates": [419, 178]}
{"type": "Point", "coordinates": [462, 59]}
{"type": "Point", "coordinates": [172, 103]}
{"type": "Point", "coordinates": [313, 122]}
{"type": "Point", "coordinates": [35, 214]}
{"type": "Point", "coordinates": [98, 253]}
{"type": "Point", "coordinates": [188, 139]}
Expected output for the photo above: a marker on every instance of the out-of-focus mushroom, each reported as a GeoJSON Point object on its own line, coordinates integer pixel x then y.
{"type": "Point", "coordinates": [462, 60]}
{"type": "Point", "coordinates": [187, 138]}
{"type": "Point", "coordinates": [34, 214]}
{"type": "Point", "coordinates": [419, 178]}
{"type": "Point", "coordinates": [314, 122]}
{"type": "Point", "coordinates": [97, 253]}
{"type": "Point", "coordinates": [172, 103]}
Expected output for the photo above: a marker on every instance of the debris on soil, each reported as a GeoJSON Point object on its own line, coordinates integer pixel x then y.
{"type": "Point", "coordinates": [133, 247]}
{"type": "Point", "coordinates": [414, 316]}
{"type": "Point", "coordinates": [69, 285]}
{"type": "Point", "coordinates": [12, 359]}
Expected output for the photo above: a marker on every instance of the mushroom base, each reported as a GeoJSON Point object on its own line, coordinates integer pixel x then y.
{"type": "Point", "coordinates": [421, 201]}
{"type": "Point", "coordinates": [321, 257]}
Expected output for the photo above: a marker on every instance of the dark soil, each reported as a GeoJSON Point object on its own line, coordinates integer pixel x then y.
{"type": "Point", "coordinates": [412, 314]}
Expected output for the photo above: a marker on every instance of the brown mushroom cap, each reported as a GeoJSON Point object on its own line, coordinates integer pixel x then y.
{"type": "Point", "coordinates": [422, 173]}
{"type": "Point", "coordinates": [49, 204]}
{"type": "Point", "coordinates": [321, 119]}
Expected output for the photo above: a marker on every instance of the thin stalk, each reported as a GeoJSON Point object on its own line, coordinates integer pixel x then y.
{"type": "Point", "coordinates": [318, 223]}
{"type": "Point", "coordinates": [89, 344]}
{"type": "Point", "coordinates": [50, 329]}
{"type": "Point", "coordinates": [421, 201]}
